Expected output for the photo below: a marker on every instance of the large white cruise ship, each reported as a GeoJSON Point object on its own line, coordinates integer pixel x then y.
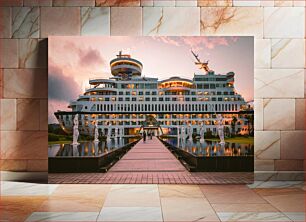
{"type": "Point", "coordinates": [132, 102]}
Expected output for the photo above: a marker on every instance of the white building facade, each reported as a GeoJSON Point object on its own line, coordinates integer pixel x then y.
{"type": "Point", "coordinates": [133, 102]}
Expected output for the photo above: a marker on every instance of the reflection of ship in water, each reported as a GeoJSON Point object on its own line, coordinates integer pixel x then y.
{"type": "Point", "coordinates": [213, 148]}
{"type": "Point", "coordinates": [87, 149]}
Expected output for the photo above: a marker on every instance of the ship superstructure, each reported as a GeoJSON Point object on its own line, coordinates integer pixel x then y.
{"type": "Point", "coordinates": [133, 102]}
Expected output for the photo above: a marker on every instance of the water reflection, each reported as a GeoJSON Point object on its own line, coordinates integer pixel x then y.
{"type": "Point", "coordinates": [87, 149]}
{"type": "Point", "coordinates": [213, 148]}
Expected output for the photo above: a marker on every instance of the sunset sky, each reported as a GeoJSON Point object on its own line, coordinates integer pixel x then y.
{"type": "Point", "coordinates": [73, 60]}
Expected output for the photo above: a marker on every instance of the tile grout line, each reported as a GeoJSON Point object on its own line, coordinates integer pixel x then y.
{"type": "Point", "coordinates": [161, 208]}
{"type": "Point", "coordinates": [209, 202]}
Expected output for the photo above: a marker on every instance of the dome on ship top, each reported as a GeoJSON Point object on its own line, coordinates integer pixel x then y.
{"type": "Point", "coordinates": [125, 66]}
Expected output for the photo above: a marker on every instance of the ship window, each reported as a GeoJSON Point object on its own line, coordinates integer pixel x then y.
{"type": "Point", "coordinates": [85, 107]}
{"type": "Point", "coordinates": [219, 98]}
{"type": "Point", "coordinates": [174, 99]}
{"type": "Point", "coordinates": [120, 93]}
{"type": "Point", "coordinates": [106, 99]}
{"type": "Point", "coordinates": [98, 108]}
{"type": "Point", "coordinates": [154, 99]}
{"type": "Point", "coordinates": [194, 99]}
{"type": "Point", "coordinates": [127, 93]}
{"type": "Point", "coordinates": [193, 93]}
{"type": "Point", "coordinates": [154, 93]}
{"type": "Point", "coordinates": [216, 107]}
{"type": "Point", "coordinates": [167, 99]}
{"type": "Point", "coordinates": [187, 99]}
{"type": "Point", "coordinates": [213, 99]}
{"type": "Point", "coordinates": [140, 93]}
{"type": "Point", "coordinates": [127, 99]}
{"type": "Point", "coordinates": [120, 99]}
{"type": "Point", "coordinates": [147, 93]}
{"type": "Point", "coordinates": [225, 107]}
{"type": "Point", "coordinates": [206, 86]}
{"type": "Point", "coordinates": [222, 107]}
{"type": "Point", "coordinates": [225, 93]}
{"type": "Point", "coordinates": [212, 86]}
{"type": "Point", "coordinates": [218, 93]}
{"type": "Point", "coordinates": [161, 99]}
{"type": "Point", "coordinates": [134, 99]}
{"type": "Point", "coordinates": [147, 98]}
{"type": "Point", "coordinates": [206, 107]}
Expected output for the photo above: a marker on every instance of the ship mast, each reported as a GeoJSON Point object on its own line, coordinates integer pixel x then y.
{"type": "Point", "coordinates": [202, 65]}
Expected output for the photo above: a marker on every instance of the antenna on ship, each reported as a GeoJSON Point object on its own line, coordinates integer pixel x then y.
{"type": "Point", "coordinates": [202, 65]}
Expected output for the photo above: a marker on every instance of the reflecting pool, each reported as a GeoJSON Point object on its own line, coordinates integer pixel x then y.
{"type": "Point", "coordinates": [212, 148]}
{"type": "Point", "coordinates": [87, 149]}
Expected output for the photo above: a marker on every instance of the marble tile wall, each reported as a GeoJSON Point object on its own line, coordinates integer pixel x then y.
{"type": "Point", "coordinates": [278, 27]}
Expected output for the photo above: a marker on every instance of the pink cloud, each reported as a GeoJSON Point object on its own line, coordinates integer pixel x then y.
{"type": "Point", "coordinates": [166, 40]}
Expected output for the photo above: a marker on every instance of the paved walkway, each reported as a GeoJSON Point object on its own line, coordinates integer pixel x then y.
{"type": "Point", "coordinates": [151, 163]}
{"type": "Point", "coordinates": [149, 156]}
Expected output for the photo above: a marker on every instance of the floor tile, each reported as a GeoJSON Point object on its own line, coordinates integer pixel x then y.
{"type": "Point", "coordinates": [253, 216]}
{"type": "Point", "coordinates": [18, 208]}
{"type": "Point", "coordinates": [71, 204]}
{"type": "Point", "coordinates": [296, 216]}
{"type": "Point", "coordinates": [262, 207]}
{"type": "Point", "coordinates": [285, 199]}
{"type": "Point", "coordinates": [130, 214]}
{"type": "Point", "coordinates": [133, 196]}
{"type": "Point", "coordinates": [63, 216]}
{"type": "Point", "coordinates": [188, 191]}
{"type": "Point", "coordinates": [276, 184]}
{"type": "Point", "coordinates": [96, 191]}
{"type": "Point", "coordinates": [187, 209]}
{"type": "Point", "coordinates": [9, 188]}
{"type": "Point", "coordinates": [230, 194]}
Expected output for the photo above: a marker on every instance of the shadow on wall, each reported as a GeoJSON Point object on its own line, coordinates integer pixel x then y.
{"type": "Point", "coordinates": [27, 145]}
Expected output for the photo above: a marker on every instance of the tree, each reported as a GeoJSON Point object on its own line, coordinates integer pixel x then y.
{"type": "Point", "coordinates": [227, 131]}
{"type": "Point", "coordinates": [250, 121]}
{"type": "Point", "coordinates": [233, 125]}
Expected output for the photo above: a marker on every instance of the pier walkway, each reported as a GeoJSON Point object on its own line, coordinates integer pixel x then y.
{"type": "Point", "coordinates": [151, 163]}
{"type": "Point", "coordinates": [149, 156]}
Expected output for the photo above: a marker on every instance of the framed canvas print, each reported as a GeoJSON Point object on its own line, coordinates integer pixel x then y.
{"type": "Point", "coordinates": [151, 109]}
